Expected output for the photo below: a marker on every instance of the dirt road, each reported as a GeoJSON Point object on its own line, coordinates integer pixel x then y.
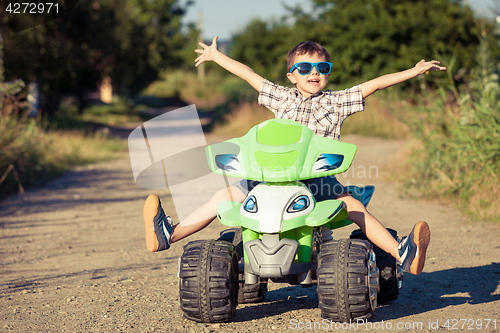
{"type": "Point", "coordinates": [73, 259]}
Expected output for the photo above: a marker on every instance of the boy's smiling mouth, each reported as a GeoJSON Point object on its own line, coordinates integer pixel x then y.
{"type": "Point", "coordinates": [313, 81]}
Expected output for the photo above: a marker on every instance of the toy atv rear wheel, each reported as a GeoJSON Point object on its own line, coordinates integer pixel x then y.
{"type": "Point", "coordinates": [208, 275]}
{"type": "Point", "coordinates": [247, 293]}
{"type": "Point", "coordinates": [347, 280]}
{"type": "Point", "coordinates": [391, 272]}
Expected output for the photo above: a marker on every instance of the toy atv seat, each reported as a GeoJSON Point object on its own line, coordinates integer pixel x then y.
{"type": "Point", "coordinates": [276, 231]}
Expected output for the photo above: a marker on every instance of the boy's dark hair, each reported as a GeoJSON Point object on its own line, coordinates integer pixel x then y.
{"type": "Point", "coordinates": [306, 47]}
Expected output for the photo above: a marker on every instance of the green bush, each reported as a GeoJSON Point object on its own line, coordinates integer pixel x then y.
{"type": "Point", "coordinates": [459, 155]}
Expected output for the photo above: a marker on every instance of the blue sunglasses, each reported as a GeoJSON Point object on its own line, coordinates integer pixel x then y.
{"type": "Point", "coordinates": [304, 68]}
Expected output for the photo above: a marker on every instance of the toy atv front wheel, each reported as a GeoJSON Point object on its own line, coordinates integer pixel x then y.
{"type": "Point", "coordinates": [247, 293]}
{"type": "Point", "coordinates": [347, 280]}
{"type": "Point", "coordinates": [208, 281]}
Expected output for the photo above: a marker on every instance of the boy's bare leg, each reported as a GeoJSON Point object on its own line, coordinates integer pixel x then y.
{"type": "Point", "coordinates": [381, 237]}
{"type": "Point", "coordinates": [160, 231]}
{"type": "Point", "coordinates": [371, 227]}
{"type": "Point", "coordinates": [205, 214]}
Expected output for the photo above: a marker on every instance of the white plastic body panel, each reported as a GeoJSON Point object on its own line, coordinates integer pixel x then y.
{"type": "Point", "coordinates": [273, 202]}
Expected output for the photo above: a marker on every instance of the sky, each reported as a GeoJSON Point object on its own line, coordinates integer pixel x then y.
{"type": "Point", "coordinates": [225, 17]}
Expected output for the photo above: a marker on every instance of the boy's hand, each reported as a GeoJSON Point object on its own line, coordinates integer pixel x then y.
{"type": "Point", "coordinates": [208, 52]}
{"type": "Point", "coordinates": [425, 66]}
{"type": "Point", "coordinates": [388, 80]}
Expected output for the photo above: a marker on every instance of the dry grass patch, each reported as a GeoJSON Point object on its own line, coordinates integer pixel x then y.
{"type": "Point", "coordinates": [382, 118]}
{"type": "Point", "coordinates": [242, 117]}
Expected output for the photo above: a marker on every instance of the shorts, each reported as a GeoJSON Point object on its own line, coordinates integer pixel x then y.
{"type": "Point", "coordinates": [324, 188]}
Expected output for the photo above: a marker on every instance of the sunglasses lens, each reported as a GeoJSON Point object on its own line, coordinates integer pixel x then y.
{"type": "Point", "coordinates": [323, 67]}
{"type": "Point", "coordinates": [304, 68]}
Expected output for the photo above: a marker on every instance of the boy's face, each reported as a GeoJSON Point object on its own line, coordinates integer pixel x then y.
{"type": "Point", "coordinates": [311, 83]}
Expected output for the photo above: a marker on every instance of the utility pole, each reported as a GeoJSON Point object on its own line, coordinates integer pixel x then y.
{"type": "Point", "coordinates": [201, 68]}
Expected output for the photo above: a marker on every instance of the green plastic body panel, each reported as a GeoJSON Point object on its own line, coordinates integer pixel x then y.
{"type": "Point", "coordinates": [326, 211]}
{"type": "Point", "coordinates": [338, 224]}
{"type": "Point", "coordinates": [229, 213]}
{"type": "Point", "coordinates": [292, 159]}
{"type": "Point", "coordinates": [248, 235]}
{"type": "Point", "coordinates": [304, 237]}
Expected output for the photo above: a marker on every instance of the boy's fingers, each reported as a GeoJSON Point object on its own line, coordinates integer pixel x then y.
{"type": "Point", "coordinates": [203, 44]}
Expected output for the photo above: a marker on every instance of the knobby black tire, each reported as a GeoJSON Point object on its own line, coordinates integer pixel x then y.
{"type": "Point", "coordinates": [208, 291]}
{"type": "Point", "coordinates": [343, 289]}
{"type": "Point", "coordinates": [247, 293]}
{"type": "Point", "coordinates": [387, 265]}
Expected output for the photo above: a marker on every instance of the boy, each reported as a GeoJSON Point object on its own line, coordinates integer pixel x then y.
{"type": "Point", "coordinates": [324, 112]}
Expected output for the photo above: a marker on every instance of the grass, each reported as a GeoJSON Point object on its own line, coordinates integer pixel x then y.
{"type": "Point", "coordinates": [457, 161]}
{"type": "Point", "coordinates": [187, 87]}
{"type": "Point", "coordinates": [241, 118]}
{"type": "Point", "coordinates": [121, 111]}
{"type": "Point", "coordinates": [382, 118]}
{"type": "Point", "coordinates": [458, 158]}
{"type": "Point", "coordinates": [34, 153]}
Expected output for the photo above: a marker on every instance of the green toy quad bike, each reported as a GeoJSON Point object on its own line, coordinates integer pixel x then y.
{"type": "Point", "coordinates": [276, 232]}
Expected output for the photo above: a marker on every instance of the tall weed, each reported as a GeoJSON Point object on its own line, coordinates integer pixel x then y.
{"type": "Point", "coordinates": [459, 155]}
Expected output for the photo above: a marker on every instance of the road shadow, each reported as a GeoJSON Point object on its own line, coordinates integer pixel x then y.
{"type": "Point", "coordinates": [441, 289]}
{"type": "Point", "coordinates": [277, 302]}
{"type": "Point", "coordinates": [420, 294]}
{"type": "Point", "coordinates": [87, 276]}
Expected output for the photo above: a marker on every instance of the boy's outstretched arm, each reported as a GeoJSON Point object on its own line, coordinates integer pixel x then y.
{"type": "Point", "coordinates": [382, 82]}
{"type": "Point", "coordinates": [210, 53]}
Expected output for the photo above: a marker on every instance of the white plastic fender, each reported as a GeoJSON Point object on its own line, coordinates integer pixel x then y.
{"type": "Point", "coordinates": [273, 201]}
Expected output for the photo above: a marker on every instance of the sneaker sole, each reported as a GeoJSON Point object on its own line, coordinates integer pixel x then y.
{"type": "Point", "coordinates": [149, 213]}
{"type": "Point", "coordinates": [422, 237]}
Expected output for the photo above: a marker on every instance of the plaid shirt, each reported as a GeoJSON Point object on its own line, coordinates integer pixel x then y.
{"type": "Point", "coordinates": [323, 112]}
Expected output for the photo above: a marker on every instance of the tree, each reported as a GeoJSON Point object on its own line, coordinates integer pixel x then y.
{"type": "Point", "coordinates": [366, 38]}
{"type": "Point", "coordinates": [8, 90]}
{"type": "Point", "coordinates": [129, 40]}
{"type": "Point", "coordinates": [264, 47]}
{"type": "Point", "coordinates": [378, 36]}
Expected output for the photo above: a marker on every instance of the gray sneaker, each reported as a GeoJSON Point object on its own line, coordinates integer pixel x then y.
{"type": "Point", "coordinates": [158, 226]}
{"type": "Point", "coordinates": [412, 249]}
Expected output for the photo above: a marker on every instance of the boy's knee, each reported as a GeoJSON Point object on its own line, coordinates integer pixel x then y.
{"type": "Point", "coordinates": [352, 203]}
{"type": "Point", "coordinates": [221, 195]}
{"type": "Point", "coordinates": [229, 194]}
